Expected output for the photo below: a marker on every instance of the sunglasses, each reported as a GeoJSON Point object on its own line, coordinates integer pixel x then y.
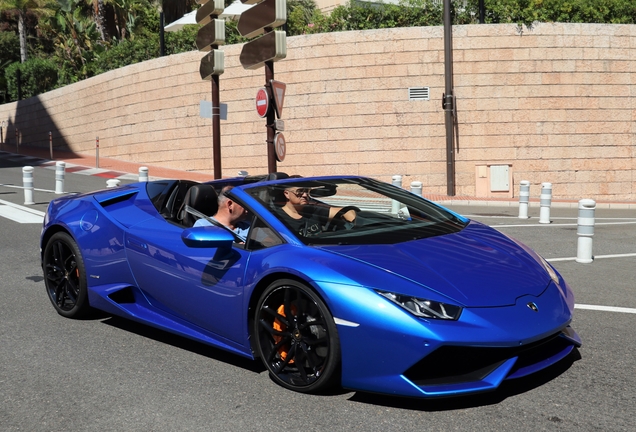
{"type": "Point", "coordinates": [300, 192]}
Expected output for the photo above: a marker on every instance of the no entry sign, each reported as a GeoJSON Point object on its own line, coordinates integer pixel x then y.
{"type": "Point", "coordinates": [262, 102]}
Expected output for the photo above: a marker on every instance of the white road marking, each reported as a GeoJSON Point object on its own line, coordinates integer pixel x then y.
{"type": "Point", "coordinates": [605, 308]}
{"type": "Point", "coordinates": [551, 218]}
{"type": "Point", "coordinates": [22, 187]}
{"type": "Point", "coordinates": [627, 255]}
{"type": "Point", "coordinates": [560, 224]}
{"type": "Point", "coordinates": [20, 214]}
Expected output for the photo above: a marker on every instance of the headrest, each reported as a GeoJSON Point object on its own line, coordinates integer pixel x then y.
{"type": "Point", "coordinates": [203, 198]}
{"type": "Point", "coordinates": [276, 176]}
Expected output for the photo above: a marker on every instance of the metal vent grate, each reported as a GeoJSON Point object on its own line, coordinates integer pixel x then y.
{"type": "Point", "coordinates": [419, 93]}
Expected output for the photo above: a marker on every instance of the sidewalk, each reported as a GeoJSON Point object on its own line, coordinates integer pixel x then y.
{"type": "Point", "coordinates": [114, 168]}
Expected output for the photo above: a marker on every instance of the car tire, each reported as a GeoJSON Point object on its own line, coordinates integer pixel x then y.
{"type": "Point", "coordinates": [65, 276]}
{"type": "Point", "coordinates": [301, 353]}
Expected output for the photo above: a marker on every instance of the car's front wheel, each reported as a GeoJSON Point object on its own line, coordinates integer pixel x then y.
{"type": "Point", "coordinates": [296, 337]}
{"type": "Point", "coordinates": [64, 276]}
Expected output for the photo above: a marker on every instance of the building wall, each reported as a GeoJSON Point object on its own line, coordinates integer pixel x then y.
{"type": "Point", "coordinates": [555, 103]}
{"type": "Point", "coordinates": [328, 5]}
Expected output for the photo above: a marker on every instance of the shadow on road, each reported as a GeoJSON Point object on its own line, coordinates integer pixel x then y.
{"type": "Point", "coordinates": [507, 389]}
{"type": "Point", "coordinates": [180, 342]}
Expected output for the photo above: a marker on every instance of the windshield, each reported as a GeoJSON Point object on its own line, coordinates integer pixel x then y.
{"type": "Point", "coordinates": [355, 211]}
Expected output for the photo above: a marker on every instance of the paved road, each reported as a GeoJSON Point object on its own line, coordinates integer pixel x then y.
{"type": "Point", "coordinates": [106, 373]}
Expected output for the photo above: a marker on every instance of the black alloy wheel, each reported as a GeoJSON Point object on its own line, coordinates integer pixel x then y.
{"type": "Point", "coordinates": [65, 276]}
{"type": "Point", "coordinates": [296, 337]}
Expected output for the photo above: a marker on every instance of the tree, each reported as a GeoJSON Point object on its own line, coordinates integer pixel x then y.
{"type": "Point", "coordinates": [175, 9]}
{"type": "Point", "coordinates": [75, 38]}
{"type": "Point", "coordinates": [21, 7]}
{"type": "Point", "coordinates": [37, 76]}
{"type": "Point", "coordinates": [99, 15]}
{"type": "Point", "coordinates": [300, 14]}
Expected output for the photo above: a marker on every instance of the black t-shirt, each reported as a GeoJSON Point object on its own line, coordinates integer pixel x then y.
{"type": "Point", "coordinates": [312, 220]}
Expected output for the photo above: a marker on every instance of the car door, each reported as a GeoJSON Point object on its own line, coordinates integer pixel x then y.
{"type": "Point", "coordinates": [201, 285]}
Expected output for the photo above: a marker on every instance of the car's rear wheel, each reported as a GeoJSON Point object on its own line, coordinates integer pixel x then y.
{"type": "Point", "coordinates": [296, 337]}
{"type": "Point", "coordinates": [65, 276]}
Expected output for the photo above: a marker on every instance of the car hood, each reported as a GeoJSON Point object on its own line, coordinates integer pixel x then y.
{"type": "Point", "coordinates": [476, 267]}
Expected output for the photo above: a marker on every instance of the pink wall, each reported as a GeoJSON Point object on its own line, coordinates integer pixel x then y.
{"type": "Point", "coordinates": [555, 103]}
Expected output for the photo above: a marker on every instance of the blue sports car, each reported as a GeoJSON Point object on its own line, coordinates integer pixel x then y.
{"type": "Point", "coordinates": [337, 281]}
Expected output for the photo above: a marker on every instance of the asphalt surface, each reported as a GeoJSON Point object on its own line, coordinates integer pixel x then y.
{"type": "Point", "coordinates": [109, 374]}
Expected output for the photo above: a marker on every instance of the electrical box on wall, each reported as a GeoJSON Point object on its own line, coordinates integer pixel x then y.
{"type": "Point", "coordinates": [499, 178]}
{"type": "Point", "coordinates": [493, 180]}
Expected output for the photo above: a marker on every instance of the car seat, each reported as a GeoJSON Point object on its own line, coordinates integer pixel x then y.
{"type": "Point", "coordinates": [202, 198]}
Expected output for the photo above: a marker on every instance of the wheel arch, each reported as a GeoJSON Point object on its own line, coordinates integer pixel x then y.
{"type": "Point", "coordinates": [50, 232]}
{"type": "Point", "coordinates": [58, 294]}
{"type": "Point", "coordinates": [258, 290]}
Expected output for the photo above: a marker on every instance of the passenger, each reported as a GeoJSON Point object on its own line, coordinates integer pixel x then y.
{"type": "Point", "coordinates": [308, 219]}
{"type": "Point", "coordinates": [231, 214]}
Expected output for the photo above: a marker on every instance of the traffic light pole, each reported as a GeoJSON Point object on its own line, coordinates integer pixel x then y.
{"type": "Point", "coordinates": [271, 120]}
{"type": "Point", "coordinates": [449, 100]}
{"type": "Point", "coordinates": [216, 126]}
{"type": "Point", "coordinates": [264, 18]}
{"type": "Point", "coordinates": [208, 39]}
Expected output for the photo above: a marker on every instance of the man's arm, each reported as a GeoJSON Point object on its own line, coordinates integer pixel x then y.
{"type": "Point", "coordinates": [349, 216]}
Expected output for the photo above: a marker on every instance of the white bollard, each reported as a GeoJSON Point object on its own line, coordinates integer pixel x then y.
{"type": "Point", "coordinates": [60, 169]}
{"type": "Point", "coordinates": [27, 180]}
{"type": "Point", "coordinates": [143, 174]}
{"type": "Point", "coordinates": [545, 202]}
{"type": "Point", "coordinates": [585, 231]}
{"type": "Point", "coordinates": [416, 188]}
{"type": "Point", "coordinates": [524, 198]}
{"type": "Point", "coordinates": [112, 183]}
{"type": "Point", "coordinates": [396, 180]}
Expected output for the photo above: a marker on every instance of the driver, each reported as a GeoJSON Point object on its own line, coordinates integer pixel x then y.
{"type": "Point", "coordinates": [231, 214]}
{"type": "Point", "coordinates": [308, 219]}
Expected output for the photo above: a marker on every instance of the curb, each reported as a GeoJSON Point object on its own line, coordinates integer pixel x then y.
{"type": "Point", "coordinates": [444, 200]}
{"type": "Point", "coordinates": [70, 167]}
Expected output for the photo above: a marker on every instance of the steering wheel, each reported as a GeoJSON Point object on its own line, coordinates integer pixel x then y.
{"type": "Point", "coordinates": [337, 221]}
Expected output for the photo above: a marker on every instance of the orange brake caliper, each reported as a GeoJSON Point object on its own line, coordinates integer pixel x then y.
{"type": "Point", "coordinates": [279, 326]}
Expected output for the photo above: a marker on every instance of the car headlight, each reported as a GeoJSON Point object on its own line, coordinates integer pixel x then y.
{"type": "Point", "coordinates": [424, 308]}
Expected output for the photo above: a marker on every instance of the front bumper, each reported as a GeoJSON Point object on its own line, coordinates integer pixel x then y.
{"type": "Point", "coordinates": [386, 350]}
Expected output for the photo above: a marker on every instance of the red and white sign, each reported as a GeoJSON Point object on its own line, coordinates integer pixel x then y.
{"type": "Point", "coordinates": [262, 102]}
{"type": "Point", "coordinates": [278, 90]}
{"type": "Point", "coordinates": [280, 147]}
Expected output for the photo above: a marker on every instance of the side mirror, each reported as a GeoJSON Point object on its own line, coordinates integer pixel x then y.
{"type": "Point", "coordinates": [207, 237]}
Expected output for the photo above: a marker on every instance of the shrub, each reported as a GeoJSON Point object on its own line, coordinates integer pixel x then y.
{"type": "Point", "coordinates": [36, 75]}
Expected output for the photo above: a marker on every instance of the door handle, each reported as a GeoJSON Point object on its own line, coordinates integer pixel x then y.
{"type": "Point", "coordinates": [137, 244]}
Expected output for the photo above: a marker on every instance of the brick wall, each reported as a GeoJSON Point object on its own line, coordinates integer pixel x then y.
{"type": "Point", "coordinates": [555, 103]}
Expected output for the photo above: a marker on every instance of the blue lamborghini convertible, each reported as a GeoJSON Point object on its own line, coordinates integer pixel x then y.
{"type": "Point", "coordinates": [339, 281]}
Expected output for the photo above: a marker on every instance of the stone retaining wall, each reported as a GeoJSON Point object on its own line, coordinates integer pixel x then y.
{"type": "Point", "coordinates": [555, 103]}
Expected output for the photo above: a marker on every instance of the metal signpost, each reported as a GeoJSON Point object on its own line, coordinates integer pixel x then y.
{"type": "Point", "coordinates": [209, 37]}
{"type": "Point", "coordinates": [264, 51]}
{"type": "Point", "coordinates": [448, 101]}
